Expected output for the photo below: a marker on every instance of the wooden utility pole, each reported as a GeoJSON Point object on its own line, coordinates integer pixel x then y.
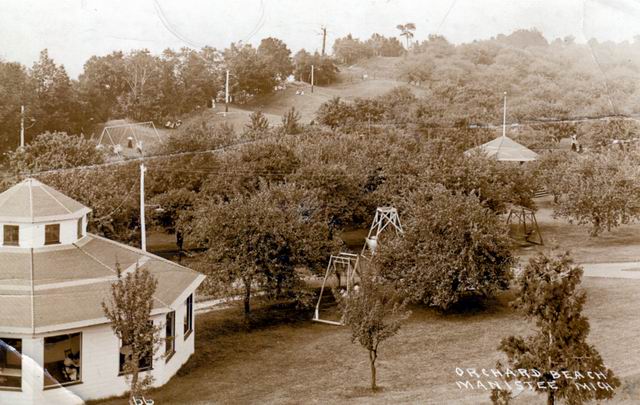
{"type": "Point", "coordinates": [22, 126]}
{"type": "Point", "coordinates": [312, 78]}
{"type": "Point", "coordinates": [504, 116]}
{"type": "Point", "coordinates": [226, 94]}
{"type": "Point", "coordinates": [324, 38]}
{"type": "Point", "coordinates": [143, 227]}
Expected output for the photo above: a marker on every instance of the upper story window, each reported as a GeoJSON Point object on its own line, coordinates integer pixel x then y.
{"type": "Point", "coordinates": [80, 228]}
{"type": "Point", "coordinates": [51, 234]}
{"type": "Point", "coordinates": [11, 235]}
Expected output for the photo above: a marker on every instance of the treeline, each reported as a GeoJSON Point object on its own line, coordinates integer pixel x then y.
{"type": "Point", "coordinates": [144, 87]}
{"type": "Point", "coordinates": [349, 50]}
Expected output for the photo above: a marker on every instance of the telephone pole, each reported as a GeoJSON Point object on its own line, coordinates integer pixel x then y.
{"type": "Point", "coordinates": [504, 116]}
{"type": "Point", "coordinates": [312, 69]}
{"type": "Point", "coordinates": [22, 126]}
{"type": "Point", "coordinates": [324, 38]}
{"type": "Point", "coordinates": [143, 227]}
{"type": "Point", "coordinates": [226, 94]}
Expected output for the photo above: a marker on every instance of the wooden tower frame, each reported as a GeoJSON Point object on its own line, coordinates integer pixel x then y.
{"type": "Point", "coordinates": [384, 217]}
{"type": "Point", "coordinates": [348, 262]}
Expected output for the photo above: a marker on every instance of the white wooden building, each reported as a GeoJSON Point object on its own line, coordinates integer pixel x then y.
{"type": "Point", "coordinates": [56, 346]}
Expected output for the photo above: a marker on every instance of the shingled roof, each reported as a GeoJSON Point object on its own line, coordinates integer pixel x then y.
{"type": "Point", "coordinates": [31, 201]}
{"type": "Point", "coordinates": [505, 149]}
{"type": "Point", "coordinates": [56, 287]}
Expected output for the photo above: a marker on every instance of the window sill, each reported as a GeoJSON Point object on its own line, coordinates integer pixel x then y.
{"type": "Point", "coordinates": [186, 335]}
{"type": "Point", "coordinates": [169, 356]}
{"type": "Point", "coordinates": [142, 370]}
{"type": "Point", "coordinates": [66, 384]}
{"type": "Point", "coordinates": [14, 389]}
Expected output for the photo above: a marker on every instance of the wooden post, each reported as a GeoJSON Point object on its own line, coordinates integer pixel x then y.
{"type": "Point", "coordinates": [22, 126]}
{"type": "Point", "coordinates": [312, 78]}
{"type": "Point", "coordinates": [226, 94]}
{"type": "Point", "coordinates": [143, 228]}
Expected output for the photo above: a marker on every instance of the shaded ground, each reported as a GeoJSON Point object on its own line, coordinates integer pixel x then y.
{"type": "Point", "coordinates": [622, 244]}
{"type": "Point", "coordinates": [292, 360]}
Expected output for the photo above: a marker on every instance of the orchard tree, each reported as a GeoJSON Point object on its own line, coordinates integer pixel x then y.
{"type": "Point", "coordinates": [601, 190]}
{"type": "Point", "coordinates": [549, 294]}
{"type": "Point", "coordinates": [452, 247]}
{"type": "Point", "coordinates": [374, 312]}
{"type": "Point", "coordinates": [335, 113]}
{"type": "Point", "coordinates": [129, 312]}
{"type": "Point", "coordinates": [50, 151]}
{"type": "Point", "coordinates": [259, 239]}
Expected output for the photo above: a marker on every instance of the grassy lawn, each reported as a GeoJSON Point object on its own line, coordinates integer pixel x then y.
{"type": "Point", "coordinates": [622, 244]}
{"type": "Point", "coordinates": [286, 359]}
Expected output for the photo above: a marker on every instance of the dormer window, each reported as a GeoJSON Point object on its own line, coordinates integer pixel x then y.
{"type": "Point", "coordinates": [52, 234]}
{"type": "Point", "coordinates": [11, 235]}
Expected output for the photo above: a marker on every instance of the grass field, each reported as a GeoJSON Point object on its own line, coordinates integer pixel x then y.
{"type": "Point", "coordinates": [288, 359]}
{"type": "Point", "coordinates": [622, 244]}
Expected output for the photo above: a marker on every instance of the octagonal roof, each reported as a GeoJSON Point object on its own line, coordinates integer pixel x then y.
{"type": "Point", "coordinates": [30, 201]}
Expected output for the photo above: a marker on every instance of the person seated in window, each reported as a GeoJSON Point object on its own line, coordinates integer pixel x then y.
{"type": "Point", "coordinates": [71, 366]}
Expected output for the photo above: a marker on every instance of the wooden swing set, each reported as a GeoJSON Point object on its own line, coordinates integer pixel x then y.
{"type": "Point", "coordinates": [349, 263]}
{"type": "Point", "coordinates": [526, 215]}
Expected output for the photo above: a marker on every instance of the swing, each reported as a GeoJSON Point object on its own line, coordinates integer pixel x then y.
{"type": "Point", "coordinates": [348, 263]}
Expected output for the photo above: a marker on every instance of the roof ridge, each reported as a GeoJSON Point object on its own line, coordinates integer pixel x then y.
{"type": "Point", "coordinates": [44, 188]}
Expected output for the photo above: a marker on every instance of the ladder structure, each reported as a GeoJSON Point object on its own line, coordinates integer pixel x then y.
{"type": "Point", "coordinates": [346, 263]}
{"type": "Point", "coordinates": [385, 217]}
{"type": "Point", "coordinates": [350, 264]}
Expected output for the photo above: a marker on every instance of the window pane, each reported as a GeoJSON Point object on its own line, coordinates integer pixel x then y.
{"type": "Point", "coordinates": [51, 234]}
{"type": "Point", "coordinates": [10, 363]}
{"type": "Point", "coordinates": [11, 235]}
{"type": "Point", "coordinates": [62, 359]}
{"type": "Point", "coordinates": [170, 332]}
{"type": "Point", "coordinates": [188, 316]}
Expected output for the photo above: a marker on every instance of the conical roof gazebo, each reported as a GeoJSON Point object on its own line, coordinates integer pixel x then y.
{"type": "Point", "coordinates": [504, 149]}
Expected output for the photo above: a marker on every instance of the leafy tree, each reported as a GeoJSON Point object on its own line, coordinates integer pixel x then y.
{"type": "Point", "coordinates": [406, 30]}
{"type": "Point", "coordinates": [601, 190]}
{"type": "Point", "coordinates": [335, 113]}
{"type": "Point", "coordinates": [277, 57]}
{"type": "Point", "coordinates": [16, 89]}
{"type": "Point", "coordinates": [54, 97]}
{"type": "Point", "coordinates": [258, 240]}
{"type": "Point", "coordinates": [54, 151]}
{"type": "Point", "coordinates": [199, 134]}
{"type": "Point", "coordinates": [383, 46]}
{"type": "Point", "coordinates": [291, 122]}
{"type": "Point", "coordinates": [374, 312]}
{"type": "Point", "coordinates": [101, 84]}
{"type": "Point", "coordinates": [129, 311]}
{"type": "Point", "coordinates": [548, 294]}
{"type": "Point", "coordinates": [250, 75]}
{"type": "Point", "coordinates": [349, 50]}
{"type": "Point", "coordinates": [325, 70]}
{"type": "Point", "coordinates": [452, 247]}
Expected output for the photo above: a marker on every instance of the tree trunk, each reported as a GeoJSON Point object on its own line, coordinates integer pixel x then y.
{"type": "Point", "coordinates": [247, 297]}
{"type": "Point", "coordinates": [372, 361]}
{"type": "Point", "coordinates": [180, 244]}
{"type": "Point", "coordinates": [134, 386]}
{"type": "Point", "coordinates": [551, 398]}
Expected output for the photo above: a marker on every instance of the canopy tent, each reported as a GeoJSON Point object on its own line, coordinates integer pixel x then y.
{"type": "Point", "coordinates": [505, 149]}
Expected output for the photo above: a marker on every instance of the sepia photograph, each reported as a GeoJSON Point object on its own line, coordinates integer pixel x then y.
{"type": "Point", "coordinates": [319, 202]}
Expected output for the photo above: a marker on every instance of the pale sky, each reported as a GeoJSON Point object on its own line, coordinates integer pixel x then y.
{"type": "Point", "coordinates": [73, 30]}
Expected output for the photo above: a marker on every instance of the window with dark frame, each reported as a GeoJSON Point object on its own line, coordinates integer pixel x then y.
{"type": "Point", "coordinates": [10, 364]}
{"type": "Point", "coordinates": [145, 363]}
{"type": "Point", "coordinates": [52, 234]}
{"type": "Point", "coordinates": [79, 230]}
{"type": "Point", "coordinates": [11, 235]}
{"type": "Point", "coordinates": [62, 360]}
{"type": "Point", "coordinates": [170, 335]}
{"type": "Point", "coordinates": [188, 316]}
